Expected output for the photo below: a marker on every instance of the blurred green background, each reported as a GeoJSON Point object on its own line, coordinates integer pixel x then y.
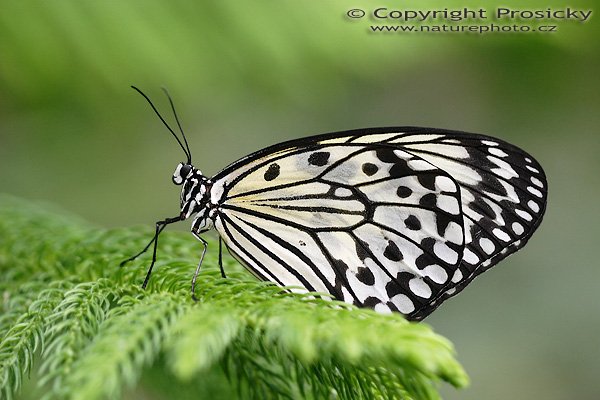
{"type": "Point", "coordinates": [248, 74]}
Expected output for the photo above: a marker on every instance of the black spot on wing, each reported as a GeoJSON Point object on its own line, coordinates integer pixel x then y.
{"type": "Point", "coordinates": [340, 266]}
{"type": "Point", "coordinates": [403, 192]}
{"type": "Point", "coordinates": [392, 288]}
{"type": "Point", "coordinates": [400, 169]}
{"type": "Point", "coordinates": [428, 244]}
{"type": "Point", "coordinates": [371, 302]}
{"type": "Point", "coordinates": [319, 158]}
{"type": "Point", "coordinates": [370, 169]}
{"type": "Point", "coordinates": [341, 269]}
{"type": "Point", "coordinates": [399, 284]}
{"type": "Point", "coordinates": [272, 172]}
{"type": "Point", "coordinates": [387, 155]}
{"type": "Point", "coordinates": [403, 277]}
{"type": "Point", "coordinates": [428, 201]}
{"type": "Point", "coordinates": [442, 221]}
{"type": "Point", "coordinates": [412, 223]}
{"type": "Point", "coordinates": [365, 276]}
{"type": "Point", "coordinates": [392, 252]}
{"type": "Point", "coordinates": [427, 180]}
{"type": "Point", "coordinates": [361, 249]}
{"type": "Point", "coordinates": [424, 260]}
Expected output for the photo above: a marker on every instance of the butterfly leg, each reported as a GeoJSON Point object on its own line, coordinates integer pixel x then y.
{"type": "Point", "coordinates": [221, 258]}
{"type": "Point", "coordinates": [199, 265]}
{"type": "Point", "coordinates": [160, 226]}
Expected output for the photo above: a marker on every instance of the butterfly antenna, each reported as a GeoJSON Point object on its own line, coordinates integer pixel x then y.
{"type": "Point", "coordinates": [186, 151]}
{"type": "Point", "coordinates": [178, 124]}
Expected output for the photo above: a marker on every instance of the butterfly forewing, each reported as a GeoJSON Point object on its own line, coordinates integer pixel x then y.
{"type": "Point", "coordinates": [371, 224]}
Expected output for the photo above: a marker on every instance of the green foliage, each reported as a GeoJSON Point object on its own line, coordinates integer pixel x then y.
{"type": "Point", "coordinates": [88, 331]}
{"type": "Point", "coordinates": [267, 47]}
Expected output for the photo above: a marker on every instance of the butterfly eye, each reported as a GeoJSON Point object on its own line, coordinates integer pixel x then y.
{"type": "Point", "coordinates": [185, 170]}
{"type": "Point", "coordinates": [181, 173]}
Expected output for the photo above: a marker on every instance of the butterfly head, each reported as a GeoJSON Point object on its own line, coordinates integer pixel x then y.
{"type": "Point", "coordinates": [183, 172]}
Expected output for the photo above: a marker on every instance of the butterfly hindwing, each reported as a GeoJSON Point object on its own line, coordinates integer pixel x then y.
{"type": "Point", "coordinates": [503, 194]}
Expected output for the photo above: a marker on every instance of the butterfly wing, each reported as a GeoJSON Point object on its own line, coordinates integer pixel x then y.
{"type": "Point", "coordinates": [390, 218]}
{"type": "Point", "coordinates": [503, 195]}
{"type": "Point", "coordinates": [371, 224]}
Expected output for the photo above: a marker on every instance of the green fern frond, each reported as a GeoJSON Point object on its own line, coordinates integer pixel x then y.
{"type": "Point", "coordinates": [71, 326]}
{"type": "Point", "coordinates": [95, 332]}
{"type": "Point", "coordinates": [24, 337]}
{"type": "Point", "coordinates": [202, 335]}
{"type": "Point", "coordinates": [128, 341]}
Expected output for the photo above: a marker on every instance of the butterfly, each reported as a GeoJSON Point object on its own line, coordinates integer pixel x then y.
{"type": "Point", "coordinates": [395, 219]}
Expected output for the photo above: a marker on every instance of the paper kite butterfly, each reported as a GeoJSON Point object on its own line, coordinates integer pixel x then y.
{"type": "Point", "coordinates": [395, 219]}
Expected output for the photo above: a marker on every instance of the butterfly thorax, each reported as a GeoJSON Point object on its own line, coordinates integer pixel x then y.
{"type": "Point", "coordinates": [195, 197]}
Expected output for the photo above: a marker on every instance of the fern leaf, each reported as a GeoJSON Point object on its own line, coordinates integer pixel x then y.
{"type": "Point", "coordinates": [96, 332]}
{"type": "Point", "coordinates": [124, 345]}
{"type": "Point", "coordinates": [24, 338]}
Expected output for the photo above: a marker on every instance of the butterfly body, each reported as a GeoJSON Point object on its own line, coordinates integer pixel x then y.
{"type": "Point", "coordinates": [396, 219]}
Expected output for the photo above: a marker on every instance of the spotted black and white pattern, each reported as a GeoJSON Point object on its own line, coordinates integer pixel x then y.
{"type": "Point", "coordinates": [396, 219]}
